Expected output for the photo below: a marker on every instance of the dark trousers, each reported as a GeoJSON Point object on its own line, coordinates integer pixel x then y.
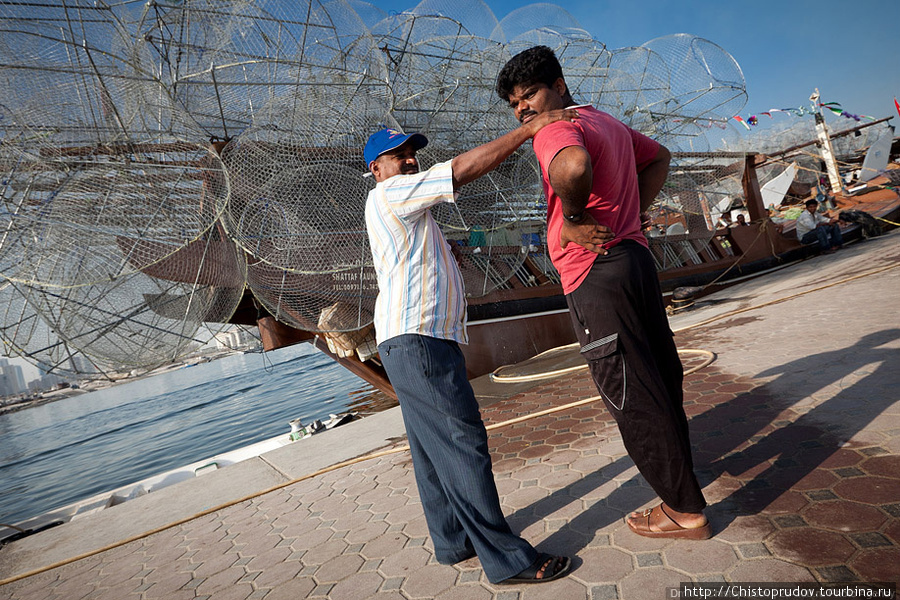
{"type": "Point", "coordinates": [826, 235]}
{"type": "Point", "coordinates": [449, 448]}
{"type": "Point", "coordinates": [621, 324]}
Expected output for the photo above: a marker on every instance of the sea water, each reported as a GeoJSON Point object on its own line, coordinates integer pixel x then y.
{"type": "Point", "coordinates": [58, 453]}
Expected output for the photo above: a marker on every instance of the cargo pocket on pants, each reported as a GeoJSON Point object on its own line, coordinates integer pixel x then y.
{"type": "Point", "coordinates": [607, 368]}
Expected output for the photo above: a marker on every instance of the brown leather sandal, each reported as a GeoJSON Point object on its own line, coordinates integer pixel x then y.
{"type": "Point", "coordinates": [656, 523]}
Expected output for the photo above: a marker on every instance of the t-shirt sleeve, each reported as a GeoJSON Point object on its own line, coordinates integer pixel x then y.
{"type": "Point", "coordinates": [645, 149]}
{"type": "Point", "coordinates": [553, 138]}
{"type": "Point", "coordinates": [410, 195]}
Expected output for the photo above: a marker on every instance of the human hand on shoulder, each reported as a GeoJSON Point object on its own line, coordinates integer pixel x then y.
{"type": "Point", "coordinates": [587, 233]}
{"type": "Point", "coordinates": [551, 116]}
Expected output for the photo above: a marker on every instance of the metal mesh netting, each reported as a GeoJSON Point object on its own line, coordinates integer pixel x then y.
{"type": "Point", "coordinates": [297, 207]}
{"type": "Point", "coordinates": [703, 78]}
{"type": "Point", "coordinates": [102, 185]}
{"type": "Point", "coordinates": [125, 230]}
{"type": "Point", "coordinates": [538, 23]}
{"type": "Point", "coordinates": [698, 191]}
{"type": "Point", "coordinates": [479, 19]}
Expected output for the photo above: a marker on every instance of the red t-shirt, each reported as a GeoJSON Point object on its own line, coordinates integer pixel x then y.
{"type": "Point", "coordinates": [617, 153]}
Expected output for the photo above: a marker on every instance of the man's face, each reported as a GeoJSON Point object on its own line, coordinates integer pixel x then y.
{"type": "Point", "coordinates": [399, 161]}
{"type": "Point", "coordinates": [812, 208]}
{"type": "Point", "coordinates": [528, 101]}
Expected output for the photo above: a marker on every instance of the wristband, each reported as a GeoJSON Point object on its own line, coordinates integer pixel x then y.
{"type": "Point", "coordinates": [576, 218]}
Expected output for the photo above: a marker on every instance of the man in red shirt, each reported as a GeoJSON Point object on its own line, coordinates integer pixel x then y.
{"type": "Point", "coordinates": [599, 177]}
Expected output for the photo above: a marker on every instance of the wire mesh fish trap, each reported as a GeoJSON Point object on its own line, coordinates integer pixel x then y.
{"type": "Point", "coordinates": [158, 161]}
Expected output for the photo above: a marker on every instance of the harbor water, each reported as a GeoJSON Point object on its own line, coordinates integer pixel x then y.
{"type": "Point", "coordinates": [64, 451]}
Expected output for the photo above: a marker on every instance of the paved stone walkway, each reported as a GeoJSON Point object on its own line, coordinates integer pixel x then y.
{"type": "Point", "coordinates": [796, 428]}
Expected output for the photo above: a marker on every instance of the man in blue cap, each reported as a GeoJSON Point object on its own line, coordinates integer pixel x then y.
{"type": "Point", "coordinates": [420, 320]}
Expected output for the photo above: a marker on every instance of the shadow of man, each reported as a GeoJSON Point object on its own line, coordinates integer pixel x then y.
{"type": "Point", "coordinates": [768, 439]}
{"type": "Point", "coordinates": [772, 452]}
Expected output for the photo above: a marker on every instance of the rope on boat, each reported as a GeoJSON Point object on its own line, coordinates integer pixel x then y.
{"type": "Point", "coordinates": [498, 377]}
{"type": "Point", "coordinates": [404, 448]}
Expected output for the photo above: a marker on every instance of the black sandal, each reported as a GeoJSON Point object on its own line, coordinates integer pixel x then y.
{"type": "Point", "coordinates": [537, 572]}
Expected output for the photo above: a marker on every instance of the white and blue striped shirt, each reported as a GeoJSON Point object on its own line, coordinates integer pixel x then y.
{"type": "Point", "coordinates": [420, 287]}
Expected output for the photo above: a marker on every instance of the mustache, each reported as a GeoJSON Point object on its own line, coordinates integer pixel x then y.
{"type": "Point", "coordinates": [526, 114]}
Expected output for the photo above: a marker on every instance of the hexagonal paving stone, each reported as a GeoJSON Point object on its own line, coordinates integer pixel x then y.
{"type": "Point", "coordinates": [532, 472]}
{"type": "Point", "coordinates": [220, 581]}
{"type": "Point", "coordinates": [622, 537]}
{"type": "Point", "coordinates": [817, 479]}
{"type": "Point", "coordinates": [637, 584]}
{"type": "Point", "coordinates": [252, 543]}
{"type": "Point", "coordinates": [709, 556]}
{"type": "Point", "coordinates": [884, 466]}
{"type": "Point", "coordinates": [559, 479]}
{"type": "Point", "coordinates": [597, 517]}
{"type": "Point", "coordinates": [299, 587]}
{"type": "Point", "coordinates": [893, 531]}
{"type": "Point", "coordinates": [332, 510]}
{"type": "Point", "coordinates": [338, 568]}
{"type": "Point", "coordinates": [568, 588]}
{"type": "Point", "coordinates": [465, 592]}
{"type": "Point", "coordinates": [384, 545]}
{"type": "Point", "coordinates": [366, 533]}
{"type": "Point", "coordinates": [356, 586]}
{"type": "Point", "coordinates": [119, 572]}
{"type": "Point", "coordinates": [507, 486]}
{"type": "Point", "coordinates": [843, 515]}
{"type": "Point", "coordinates": [507, 465]}
{"type": "Point", "coordinates": [769, 569]}
{"type": "Point", "coordinates": [590, 463]}
{"type": "Point", "coordinates": [869, 490]}
{"type": "Point", "coordinates": [789, 502]}
{"type": "Point", "coordinates": [275, 556]}
{"type": "Point", "coordinates": [808, 546]}
{"type": "Point", "coordinates": [402, 563]}
{"type": "Point", "coordinates": [321, 554]}
{"type": "Point", "coordinates": [525, 497]}
{"type": "Point", "coordinates": [603, 565]}
{"type": "Point", "coordinates": [878, 564]}
{"type": "Point", "coordinates": [563, 457]}
{"type": "Point", "coordinates": [843, 457]}
{"type": "Point", "coordinates": [408, 512]}
{"type": "Point", "coordinates": [276, 574]}
{"type": "Point", "coordinates": [416, 528]}
{"type": "Point", "coordinates": [752, 528]}
{"type": "Point", "coordinates": [537, 451]}
{"type": "Point", "coordinates": [429, 581]}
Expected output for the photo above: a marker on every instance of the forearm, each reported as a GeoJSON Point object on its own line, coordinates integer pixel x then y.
{"type": "Point", "coordinates": [471, 165]}
{"type": "Point", "coordinates": [652, 177]}
{"type": "Point", "coordinates": [483, 159]}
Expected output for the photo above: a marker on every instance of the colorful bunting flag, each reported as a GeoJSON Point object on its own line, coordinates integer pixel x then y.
{"type": "Point", "coordinates": [834, 107]}
{"type": "Point", "coordinates": [741, 121]}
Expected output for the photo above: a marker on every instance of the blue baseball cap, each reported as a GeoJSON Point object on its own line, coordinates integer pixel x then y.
{"type": "Point", "coordinates": [388, 139]}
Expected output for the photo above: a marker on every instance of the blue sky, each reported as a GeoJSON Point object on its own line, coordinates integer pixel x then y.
{"type": "Point", "coordinates": [850, 50]}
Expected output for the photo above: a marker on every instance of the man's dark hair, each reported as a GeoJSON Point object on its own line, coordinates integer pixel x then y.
{"type": "Point", "coordinates": [535, 65]}
{"type": "Point", "coordinates": [812, 202]}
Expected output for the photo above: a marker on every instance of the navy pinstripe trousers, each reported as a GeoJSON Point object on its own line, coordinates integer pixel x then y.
{"type": "Point", "coordinates": [448, 443]}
